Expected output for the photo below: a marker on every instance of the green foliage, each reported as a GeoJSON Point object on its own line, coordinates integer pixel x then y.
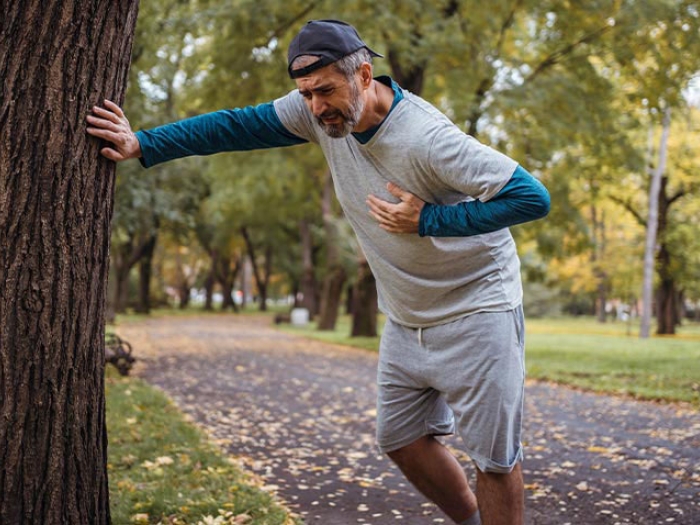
{"type": "Point", "coordinates": [162, 469]}
{"type": "Point", "coordinates": [565, 88]}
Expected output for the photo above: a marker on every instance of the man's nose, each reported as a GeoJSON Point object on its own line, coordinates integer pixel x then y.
{"type": "Point", "coordinates": [318, 106]}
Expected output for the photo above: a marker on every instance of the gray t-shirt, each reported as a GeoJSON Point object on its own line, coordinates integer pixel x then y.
{"type": "Point", "coordinates": [421, 281]}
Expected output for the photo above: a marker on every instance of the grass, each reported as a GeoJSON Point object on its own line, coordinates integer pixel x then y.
{"type": "Point", "coordinates": [163, 470]}
{"type": "Point", "coordinates": [583, 353]}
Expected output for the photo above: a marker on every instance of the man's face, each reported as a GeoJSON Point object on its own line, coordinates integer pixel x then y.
{"type": "Point", "coordinates": [336, 102]}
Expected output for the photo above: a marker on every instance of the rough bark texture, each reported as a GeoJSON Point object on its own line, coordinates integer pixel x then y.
{"type": "Point", "coordinates": [58, 58]}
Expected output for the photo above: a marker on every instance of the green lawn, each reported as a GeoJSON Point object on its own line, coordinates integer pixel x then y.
{"type": "Point", "coordinates": [163, 470]}
{"type": "Point", "coordinates": [601, 357]}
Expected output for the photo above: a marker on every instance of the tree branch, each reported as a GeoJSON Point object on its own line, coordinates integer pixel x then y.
{"type": "Point", "coordinates": [680, 193]}
{"type": "Point", "coordinates": [559, 55]}
{"type": "Point", "coordinates": [486, 83]}
{"type": "Point", "coordinates": [630, 208]}
{"type": "Point", "coordinates": [292, 21]}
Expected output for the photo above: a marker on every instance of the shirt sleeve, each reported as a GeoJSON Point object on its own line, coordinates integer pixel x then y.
{"type": "Point", "coordinates": [469, 167]}
{"type": "Point", "coordinates": [522, 199]}
{"type": "Point", "coordinates": [296, 117]}
{"type": "Point", "coordinates": [253, 127]}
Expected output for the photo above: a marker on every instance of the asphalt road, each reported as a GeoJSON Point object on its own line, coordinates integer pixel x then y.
{"type": "Point", "coordinates": [300, 414]}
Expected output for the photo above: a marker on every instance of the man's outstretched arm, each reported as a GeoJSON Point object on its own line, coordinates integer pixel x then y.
{"type": "Point", "coordinates": [253, 127]}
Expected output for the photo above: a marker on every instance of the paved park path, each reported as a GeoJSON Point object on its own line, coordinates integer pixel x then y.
{"type": "Point", "coordinates": [300, 414]}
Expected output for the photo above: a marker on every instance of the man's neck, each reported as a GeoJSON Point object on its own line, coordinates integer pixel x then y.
{"type": "Point", "coordinates": [377, 106]}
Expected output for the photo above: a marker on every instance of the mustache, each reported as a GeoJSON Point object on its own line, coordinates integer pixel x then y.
{"type": "Point", "coordinates": [333, 113]}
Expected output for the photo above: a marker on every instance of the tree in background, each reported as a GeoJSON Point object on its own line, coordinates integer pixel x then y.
{"type": "Point", "coordinates": [567, 89]}
{"type": "Point", "coordinates": [57, 60]}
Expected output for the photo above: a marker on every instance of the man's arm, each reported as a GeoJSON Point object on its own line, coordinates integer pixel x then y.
{"type": "Point", "coordinates": [522, 199]}
{"type": "Point", "coordinates": [253, 127]}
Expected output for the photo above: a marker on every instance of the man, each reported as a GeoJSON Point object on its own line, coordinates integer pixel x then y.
{"type": "Point", "coordinates": [431, 208]}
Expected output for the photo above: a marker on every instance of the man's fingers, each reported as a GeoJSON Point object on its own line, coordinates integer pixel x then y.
{"type": "Point", "coordinates": [398, 192]}
{"type": "Point", "coordinates": [103, 123]}
{"type": "Point", "coordinates": [112, 154]}
{"type": "Point", "coordinates": [106, 114]}
{"type": "Point", "coordinates": [380, 209]}
{"type": "Point", "coordinates": [379, 203]}
{"type": "Point", "coordinates": [105, 134]}
{"type": "Point", "coordinates": [115, 108]}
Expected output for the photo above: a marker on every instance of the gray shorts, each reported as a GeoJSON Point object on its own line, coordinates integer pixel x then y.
{"type": "Point", "coordinates": [468, 374]}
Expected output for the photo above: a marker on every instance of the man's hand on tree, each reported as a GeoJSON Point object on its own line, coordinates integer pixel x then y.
{"type": "Point", "coordinates": [110, 124]}
{"type": "Point", "coordinates": [402, 217]}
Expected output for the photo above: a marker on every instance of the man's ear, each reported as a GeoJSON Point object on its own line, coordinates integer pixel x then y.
{"type": "Point", "coordinates": [365, 74]}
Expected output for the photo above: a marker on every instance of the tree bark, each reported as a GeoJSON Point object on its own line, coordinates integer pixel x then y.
{"type": "Point", "coordinates": [598, 262]}
{"type": "Point", "coordinates": [364, 308]}
{"type": "Point", "coordinates": [652, 226]}
{"type": "Point", "coordinates": [261, 278]}
{"type": "Point", "coordinates": [226, 273]}
{"type": "Point", "coordinates": [309, 286]}
{"type": "Point", "coordinates": [209, 291]}
{"type": "Point", "coordinates": [335, 277]}
{"type": "Point", "coordinates": [145, 272]}
{"type": "Point", "coordinates": [58, 58]}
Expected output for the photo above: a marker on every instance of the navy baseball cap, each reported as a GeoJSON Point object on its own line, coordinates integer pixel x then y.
{"type": "Point", "coordinates": [329, 40]}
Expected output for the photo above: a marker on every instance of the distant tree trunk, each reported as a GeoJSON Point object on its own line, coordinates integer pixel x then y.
{"type": "Point", "coordinates": [349, 298]}
{"type": "Point", "coordinates": [226, 274]}
{"type": "Point", "coordinates": [652, 226]}
{"type": "Point", "coordinates": [261, 278]}
{"type": "Point", "coordinates": [364, 309]}
{"type": "Point", "coordinates": [145, 271]}
{"type": "Point", "coordinates": [308, 282]}
{"type": "Point", "coordinates": [263, 287]}
{"type": "Point", "coordinates": [598, 261]}
{"type": "Point", "coordinates": [335, 273]}
{"type": "Point", "coordinates": [667, 315]}
{"type": "Point", "coordinates": [58, 58]}
{"type": "Point", "coordinates": [183, 293]}
{"type": "Point", "coordinates": [209, 291]}
{"type": "Point", "coordinates": [125, 257]}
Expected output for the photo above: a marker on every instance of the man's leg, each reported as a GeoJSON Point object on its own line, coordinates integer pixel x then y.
{"type": "Point", "coordinates": [435, 472]}
{"type": "Point", "coordinates": [501, 497]}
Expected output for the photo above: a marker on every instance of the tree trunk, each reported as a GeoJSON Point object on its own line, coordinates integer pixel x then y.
{"type": "Point", "coordinates": [58, 58]}
{"type": "Point", "coordinates": [598, 261]}
{"type": "Point", "coordinates": [666, 295]}
{"type": "Point", "coordinates": [332, 294]}
{"type": "Point", "coordinates": [308, 278]}
{"type": "Point", "coordinates": [209, 292]}
{"type": "Point", "coordinates": [226, 274]}
{"type": "Point", "coordinates": [364, 308]}
{"type": "Point", "coordinates": [652, 226]}
{"type": "Point", "coordinates": [145, 271]}
{"type": "Point", "coordinates": [183, 292]}
{"type": "Point", "coordinates": [335, 274]}
{"type": "Point", "coordinates": [260, 279]}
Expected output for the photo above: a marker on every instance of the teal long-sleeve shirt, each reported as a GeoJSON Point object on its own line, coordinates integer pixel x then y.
{"type": "Point", "coordinates": [522, 199]}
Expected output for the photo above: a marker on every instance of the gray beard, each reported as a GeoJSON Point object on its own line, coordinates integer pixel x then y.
{"type": "Point", "coordinates": [349, 118]}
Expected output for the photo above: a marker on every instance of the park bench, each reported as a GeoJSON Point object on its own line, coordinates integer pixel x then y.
{"type": "Point", "coordinates": [118, 352]}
